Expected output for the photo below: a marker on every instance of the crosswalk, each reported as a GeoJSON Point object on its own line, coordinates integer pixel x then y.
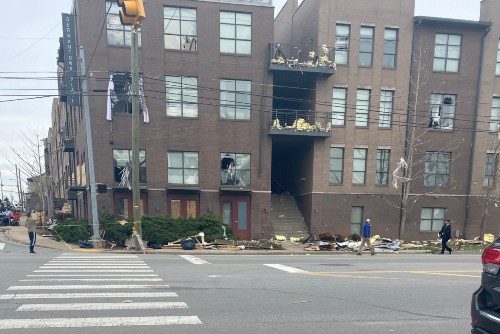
{"type": "Point", "coordinates": [64, 292]}
{"type": "Point", "coordinates": [2, 245]}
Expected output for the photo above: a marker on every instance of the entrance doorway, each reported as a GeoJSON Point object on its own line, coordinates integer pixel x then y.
{"type": "Point", "coordinates": [236, 213]}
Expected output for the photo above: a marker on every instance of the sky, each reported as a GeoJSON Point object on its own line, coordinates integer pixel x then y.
{"type": "Point", "coordinates": [28, 69]}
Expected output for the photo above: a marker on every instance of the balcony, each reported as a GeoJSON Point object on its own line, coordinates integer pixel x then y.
{"type": "Point", "coordinates": [300, 123]}
{"type": "Point", "coordinates": [68, 145]}
{"type": "Point", "coordinates": [302, 58]}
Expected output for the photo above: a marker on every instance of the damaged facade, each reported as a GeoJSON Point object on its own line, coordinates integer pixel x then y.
{"type": "Point", "coordinates": [242, 113]}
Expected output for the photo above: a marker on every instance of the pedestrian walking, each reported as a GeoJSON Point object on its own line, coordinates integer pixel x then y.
{"type": "Point", "coordinates": [31, 226]}
{"type": "Point", "coordinates": [365, 238]}
{"type": "Point", "coordinates": [445, 235]}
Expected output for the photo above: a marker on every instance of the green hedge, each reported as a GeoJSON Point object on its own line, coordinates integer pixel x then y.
{"type": "Point", "coordinates": [72, 230]}
{"type": "Point", "coordinates": [165, 229]}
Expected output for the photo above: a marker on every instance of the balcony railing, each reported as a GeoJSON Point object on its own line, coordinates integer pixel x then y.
{"type": "Point", "coordinates": [300, 123]}
{"type": "Point", "coordinates": [69, 145]}
{"type": "Point", "coordinates": [302, 58]}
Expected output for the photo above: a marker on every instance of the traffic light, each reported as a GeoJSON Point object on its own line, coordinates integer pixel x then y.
{"type": "Point", "coordinates": [132, 12]}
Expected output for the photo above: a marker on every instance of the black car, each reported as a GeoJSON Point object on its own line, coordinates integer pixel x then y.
{"type": "Point", "coordinates": [485, 307]}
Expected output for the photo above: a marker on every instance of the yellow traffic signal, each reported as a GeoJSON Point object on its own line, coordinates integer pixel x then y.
{"type": "Point", "coordinates": [132, 12]}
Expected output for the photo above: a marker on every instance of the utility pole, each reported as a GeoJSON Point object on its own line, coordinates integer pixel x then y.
{"type": "Point", "coordinates": [132, 14]}
{"type": "Point", "coordinates": [136, 191]}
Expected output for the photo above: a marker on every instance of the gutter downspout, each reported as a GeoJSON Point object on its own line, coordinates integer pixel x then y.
{"type": "Point", "coordinates": [473, 143]}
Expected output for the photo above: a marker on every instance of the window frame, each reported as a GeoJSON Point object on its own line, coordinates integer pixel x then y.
{"type": "Point", "coordinates": [436, 219]}
{"type": "Point", "coordinates": [230, 102]}
{"type": "Point", "coordinates": [495, 115]}
{"type": "Point", "coordinates": [382, 167]}
{"type": "Point", "coordinates": [362, 110]}
{"type": "Point", "coordinates": [363, 49]}
{"type": "Point", "coordinates": [183, 23]}
{"type": "Point", "coordinates": [491, 163]}
{"type": "Point", "coordinates": [359, 160]}
{"type": "Point", "coordinates": [229, 172]}
{"type": "Point", "coordinates": [389, 60]}
{"type": "Point", "coordinates": [237, 28]}
{"type": "Point", "coordinates": [142, 165]}
{"type": "Point", "coordinates": [386, 109]}
{"type": "Point", "coordinates": [187, 92]}
{"type": "Point", "coordinates": [335, 159]}
{"type": "Point", "coordinates": [339, 106]}
{"type": "Point", "coordinates": [113, 24]}
{"type": "Point", "coordinates": [444, 48]}
{"type": "Point", "coordinates": [356, 226]}
{"type": "Point", "coordinates": [447, 119]}
{"type": "Point", "coordinates": [186, 170]}
{"type": "Point", "coordinates": [497, 68]}
{"type": "Point", "coordinates": [442, 161]}
{"type": "Point", "coordinates": [339, 41]}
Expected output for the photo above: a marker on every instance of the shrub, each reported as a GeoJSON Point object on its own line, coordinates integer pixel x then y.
{"type": "Point", "coordinates": [165, 229]}
{"type": "Point", "coordinates": [72, 230]}
{"type": "Point", "coordinates": [354, 237]}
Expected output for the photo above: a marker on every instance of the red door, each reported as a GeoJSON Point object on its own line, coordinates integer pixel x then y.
{"type": "Point", "coordinates": [124, 204]}
{"type": "Point", "coordinates": [235, 211]}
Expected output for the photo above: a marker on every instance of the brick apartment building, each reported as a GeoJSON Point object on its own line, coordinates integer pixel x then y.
{"type": "Point", "coordinates": [246, 113]}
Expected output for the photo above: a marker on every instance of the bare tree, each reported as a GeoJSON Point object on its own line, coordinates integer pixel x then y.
{"type": "Point", "coordinates": [491, 181]}
{"type": "Point", "coordinates": [414, 165]}
{"type": "Point", "coordinates": [26, 158]}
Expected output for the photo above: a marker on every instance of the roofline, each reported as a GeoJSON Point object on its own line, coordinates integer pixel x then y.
{"type": "Point", "coordinates": [431, 19]}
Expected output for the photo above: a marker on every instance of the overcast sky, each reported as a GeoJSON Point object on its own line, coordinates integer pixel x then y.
{"type": "Point", "coordinates": [28, 66]}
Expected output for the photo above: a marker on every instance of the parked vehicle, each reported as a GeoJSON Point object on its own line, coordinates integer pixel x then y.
{"type": "Point", "coordinates": [485, 306]}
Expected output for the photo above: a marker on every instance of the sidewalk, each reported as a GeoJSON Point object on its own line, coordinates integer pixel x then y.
{"type": "Point", "coordinates": [19, 234]}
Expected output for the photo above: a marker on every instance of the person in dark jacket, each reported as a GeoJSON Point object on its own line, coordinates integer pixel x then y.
{"type": "Point", "coordinates": [445, 235]}
{"type": "Point", "coordinates": [365, 238]}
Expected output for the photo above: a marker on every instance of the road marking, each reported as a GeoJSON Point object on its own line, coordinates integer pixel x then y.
{"type": "Point", "coordinates": [101, 306]}
{"type": "Point", "coordinates": [89, 267]}
{"type": "Point", "coordinates": [88, 295]}
{"type": "Point", "coordinates": [369, 274]}
{"type": "Point", "coordinates": [98, 256]}
{"type": "Point", "coordinates": [194, 259]}
{"type": "Point", "coordinates": [286, 268]}
{"type": "Point", "coordinates": [94, 271]}
{"type": "Point", "coordinates": [92, 275]}
{"type": "Point", "coordinates": [106, 262]}
{"type": "Point", "coordinates": [92, 279]}
{"type": "Point", "coordinates": [2, 245]}
{"type": "Point", "coordinates": [93, 263]}
{"type": "Point", "coordinates": [84, 287]}
{"type": "Point", "coordinates": [98, 322]}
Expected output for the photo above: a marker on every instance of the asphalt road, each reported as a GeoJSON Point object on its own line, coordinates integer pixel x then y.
{"type": "Point", "coordinates": [328, 293]}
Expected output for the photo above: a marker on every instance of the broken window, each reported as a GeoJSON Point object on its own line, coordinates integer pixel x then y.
{"type": "Point", "coordinates": [121, 93]}
{"type": "Point", "coordinates": [122, 166]}
{"type": "Point", "coordinates": [442, 112]}
{"type": "Point", "coordinates": [235, 169]}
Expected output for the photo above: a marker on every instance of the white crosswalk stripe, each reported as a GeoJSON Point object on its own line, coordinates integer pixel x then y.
{"type": "Point", "coordinates": [2, 245]}
{"type": "Point", "coordinates": [194, 259]}
{"type": "Point", "coordinates": [104, 273]}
